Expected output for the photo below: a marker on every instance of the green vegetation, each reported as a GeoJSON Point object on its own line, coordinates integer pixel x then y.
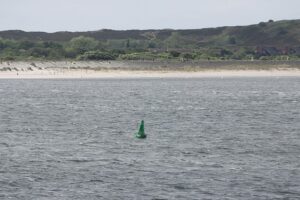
{"type": "Point", "coordinates": [264, 41]}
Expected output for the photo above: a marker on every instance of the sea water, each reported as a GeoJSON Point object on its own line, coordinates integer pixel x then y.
{"type": "Point", "coordinates": [208, 138]}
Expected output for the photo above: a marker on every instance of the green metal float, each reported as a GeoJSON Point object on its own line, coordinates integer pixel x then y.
{"type": "Point", "coordinates": [141, 134]}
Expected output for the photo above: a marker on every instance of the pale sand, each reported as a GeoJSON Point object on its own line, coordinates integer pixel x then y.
{"type": "Point", "coordinates": [81, 73]}
{"type": "Point", "coordinates": [143, 69]}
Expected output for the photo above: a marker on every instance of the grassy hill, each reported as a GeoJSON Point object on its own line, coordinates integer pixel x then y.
{"type": "Point", "coordinates": [236, 42]}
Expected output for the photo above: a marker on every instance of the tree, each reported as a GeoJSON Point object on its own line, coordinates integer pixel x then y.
{"type": "Point", "coordinates": [26, 44]}
{"type": "Point", "coordinates": [38, 52]}
{"type": "Point", "coordinates": [151, 44]}
{"type": "Point", "coordinates": [127, 43]}
{"type": "Point", "coordinates": [174, 40]}
{"type": "Point", "coordinates": [82, 44]}
{"type": "Point", "coordinates": [2, 45]}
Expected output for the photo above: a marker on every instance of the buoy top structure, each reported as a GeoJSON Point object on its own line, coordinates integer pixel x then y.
{"type": "Point", "coordinates": [141, 134]}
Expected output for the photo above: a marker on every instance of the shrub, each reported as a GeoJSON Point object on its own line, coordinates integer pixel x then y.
{"type": "Point", "coordinates": [139, 56]}
{"type": "Point", "coordinates": [188, 56]}
{"type": "Point", "coordinates": [175, 54]}
{"type": "Point", "coordinates": [97, 55]}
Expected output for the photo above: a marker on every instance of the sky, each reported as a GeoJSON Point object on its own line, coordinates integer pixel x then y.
{"type": "Point", "coordinates": [90, 15]}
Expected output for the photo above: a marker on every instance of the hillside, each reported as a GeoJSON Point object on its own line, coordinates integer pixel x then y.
{"type": "Point", "coordinates": [263, 39]}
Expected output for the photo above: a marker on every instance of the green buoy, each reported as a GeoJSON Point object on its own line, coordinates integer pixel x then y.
{"type": "Point", "coordinates": [141, 134]}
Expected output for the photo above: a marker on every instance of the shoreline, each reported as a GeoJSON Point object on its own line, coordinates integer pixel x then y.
{"type": "Point", "coordinates": [145, 69]}
{"type": "Point", "coordinates": [86, 74]}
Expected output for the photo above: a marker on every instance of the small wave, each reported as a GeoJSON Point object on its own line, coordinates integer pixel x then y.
{"type": "Point", "coordinates": [80, 160]}
{"type": "Point", "coordinates": [179, 186]}
{"type": "Point", "coordinates": [55, 91]}
{"type": "Point", "coordinates": [4, 144]}
{"type": "Point", "coordinates": [96, 180]}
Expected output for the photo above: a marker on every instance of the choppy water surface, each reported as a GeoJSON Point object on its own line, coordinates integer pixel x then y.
{"type": "Point", "coordinates": [207, 139]}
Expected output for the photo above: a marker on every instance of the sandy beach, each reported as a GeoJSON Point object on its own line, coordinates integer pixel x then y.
{"type": "Point", "coordinates": [76, 70]}
{"type": "Point", "coordinates": [63, 74]}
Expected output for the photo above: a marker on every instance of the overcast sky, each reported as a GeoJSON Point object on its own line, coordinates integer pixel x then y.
{"type": "Point", "coordinates": [84, 15]}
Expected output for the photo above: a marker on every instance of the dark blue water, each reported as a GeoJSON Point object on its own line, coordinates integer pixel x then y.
{"type": "Point", "coordinates": [232, 138]}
